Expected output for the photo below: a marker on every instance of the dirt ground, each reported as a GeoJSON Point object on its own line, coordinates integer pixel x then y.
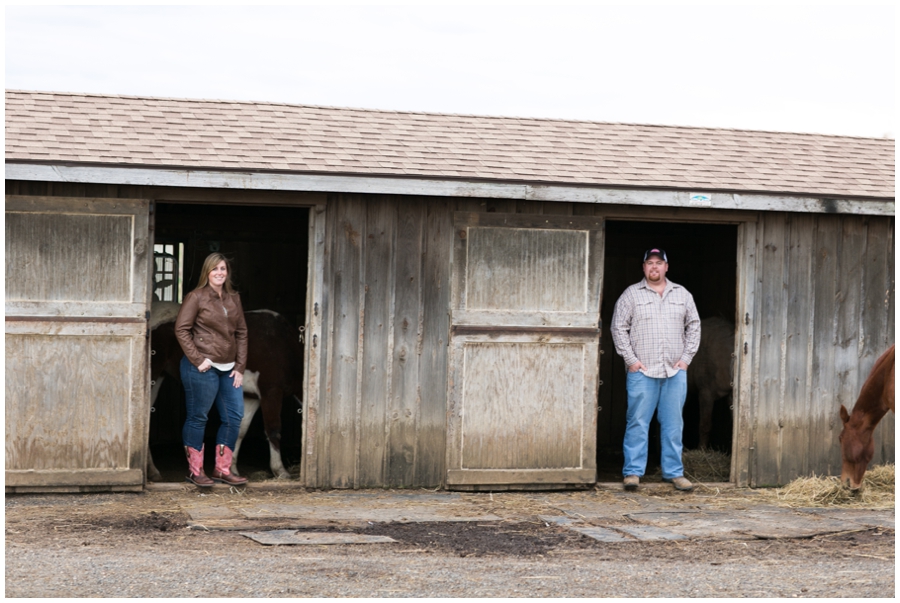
{"type": "Point", "coordinates": [147, 544]}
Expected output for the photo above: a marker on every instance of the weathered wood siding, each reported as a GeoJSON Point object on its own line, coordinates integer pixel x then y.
{"type": "Point", "coordinates": [381, 412]}
{"type": "Point", "coordinates": [815, 305]}
{"type": "Point", "coordinates": [817, 308]}
{"type": "Point", "coordinates": [76, 348]}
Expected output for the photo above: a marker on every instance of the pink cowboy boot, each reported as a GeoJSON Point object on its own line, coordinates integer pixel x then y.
{"type": "Point", "coordinates": [222, 472]}
{"type": "Point", "coordinates": [195, 467]}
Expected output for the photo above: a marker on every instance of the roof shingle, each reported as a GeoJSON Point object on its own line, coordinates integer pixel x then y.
{"type": "Point", "coordinates": [204, 134]}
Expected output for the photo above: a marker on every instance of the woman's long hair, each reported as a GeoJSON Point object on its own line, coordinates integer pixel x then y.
{"type": "Point", "coordinates": [211, 261]}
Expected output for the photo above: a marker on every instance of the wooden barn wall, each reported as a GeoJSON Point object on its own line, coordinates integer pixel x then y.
{"type": "Point", "coordinates": [816, 301]}
{"type": "Point", "coordinates": [381, 418]}
{"type": "Point", "coordinates": [818, 310]}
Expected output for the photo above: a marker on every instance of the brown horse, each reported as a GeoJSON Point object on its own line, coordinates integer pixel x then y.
{"type": "Point", "coordinates": [875, 399]}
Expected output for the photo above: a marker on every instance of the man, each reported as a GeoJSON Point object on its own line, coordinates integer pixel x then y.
{"type": "Point", "coordinates": [656, 331]}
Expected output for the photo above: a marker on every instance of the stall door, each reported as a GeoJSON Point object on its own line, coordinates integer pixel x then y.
{"type": "Point", "coordinates": [77, 397]}
{"type": "Point", "coordinates": [525, 330]}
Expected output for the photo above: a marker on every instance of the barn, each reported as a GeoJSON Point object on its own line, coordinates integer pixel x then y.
{"type": "Point", "coordinates": [451, 277]}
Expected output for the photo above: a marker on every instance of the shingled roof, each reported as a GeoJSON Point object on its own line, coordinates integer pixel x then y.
{"type": "Point", "coordinates": [66, 128]}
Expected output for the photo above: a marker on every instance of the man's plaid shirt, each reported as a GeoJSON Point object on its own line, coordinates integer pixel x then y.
{"type": "Point", "coordinates": [657, 330]}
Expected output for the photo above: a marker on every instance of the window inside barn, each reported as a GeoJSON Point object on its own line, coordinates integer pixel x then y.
{"type": "Point", "coordinates": [167, 271]}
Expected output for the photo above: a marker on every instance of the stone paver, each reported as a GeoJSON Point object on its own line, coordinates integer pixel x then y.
{"type": "Point", "coordinates": [293, 537]}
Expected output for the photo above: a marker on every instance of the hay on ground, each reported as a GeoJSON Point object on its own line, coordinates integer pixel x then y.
{"type": "Point", "coordinates": [706, 465]}
{"type": "Point", "coordinates": [877, 491]}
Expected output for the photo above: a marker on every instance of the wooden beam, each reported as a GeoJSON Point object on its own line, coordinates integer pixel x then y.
{"type": "Point", "coordinates": [75, 477]}
{"type": "Point", "coordinates": [138, 176]}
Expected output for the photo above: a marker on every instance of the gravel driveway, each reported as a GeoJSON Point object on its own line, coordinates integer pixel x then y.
{"type": "Point", "coordinates": [445, 545]}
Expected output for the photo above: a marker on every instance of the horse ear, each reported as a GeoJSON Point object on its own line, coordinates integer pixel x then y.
{"type": "Point", "coordinates": [845, 416]}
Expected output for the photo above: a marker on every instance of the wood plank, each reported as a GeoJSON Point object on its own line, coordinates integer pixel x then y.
{"type": "Point", "coordinates": [60, 257]}
{"type": "Point", "coordinates": [886, 429]}
{"type": "Point", "coordinates": [463, 477]}
{"type": "Point", "coordinates": [339, 423]}
{"type": "Point", "coordinates": [824, 424]}
{"type": "Point", "coordinates": [403, 408]}
{"type": "Point", "coordinates": [378, 345]}
{"type": "Point", "coordinates": [876, 326]}
{"type": "Point", "coordinates": [743, 449]}
{"type": "Point", "coordinates": [76, 205]}
{"type": "Point", "coordinates": [435, 187]}
{"type": "Point", "coordinates": [52, 413]}
{"type": "Point", "coordinates": [522, 270]}
{"type": "Point", "coordinates": [560, 208]}
{"type": "Point", "coordinates": [73, 478]}
{"type": "Point", "coordinates": [529, 207]}
{"type": "Point", "coordinates": [501, 206]}
{"type": "Point", "coordinates": [433, 363]}
{"type": "Point", "coordinates": [769, 418]}
{"type": "Point", "coordinates": [797, 404]}
{"type": "Point", "coordinates": [314, 357]}
{"type": "Point", "coordinates": [544, 221]}
{"type": "Point", "coordinates": [77, 309]}
{"type": "Point", "coordinates": [515, 395]}
{"type": "Point", "coordinates": [848, 305]}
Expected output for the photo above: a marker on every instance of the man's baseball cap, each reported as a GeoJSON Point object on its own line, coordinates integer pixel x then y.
{"type": "Point", "coordinates": [661, 253]}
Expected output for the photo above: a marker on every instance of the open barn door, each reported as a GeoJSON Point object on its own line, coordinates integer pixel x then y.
{"type": "Point", "coordinates": [76, 347]}
{"type": "Point", "coordinates": [524, 341]}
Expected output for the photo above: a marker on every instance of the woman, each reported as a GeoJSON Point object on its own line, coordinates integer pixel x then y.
{"type": "Point", "coordinates": [213, 334]}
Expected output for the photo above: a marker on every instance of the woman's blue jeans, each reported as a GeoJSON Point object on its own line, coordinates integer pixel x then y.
{"type": "Point", "coordinates": [202, 390]}
{"type": "Point", "coordinates": [665, 396]}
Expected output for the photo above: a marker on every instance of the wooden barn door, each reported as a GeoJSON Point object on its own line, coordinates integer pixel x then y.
{"type": "Point", "coordinates": [525, 313]}
{"type": "Point", "coordinates": [77, 392]}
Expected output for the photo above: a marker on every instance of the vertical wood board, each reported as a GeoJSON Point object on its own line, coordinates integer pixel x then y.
{"type": "Point", "coordinates": [434, 359]}
{"type": "Point", "coordinates": [797, 404]}
{"type": "Point", "coordinates": [377, 347]}
{"type": "Point", "coordinates": [407, 341]}
{"type": "Point", "coordinates": [769, 418]}
{"type": "Point", "coordinates": [824, 422]}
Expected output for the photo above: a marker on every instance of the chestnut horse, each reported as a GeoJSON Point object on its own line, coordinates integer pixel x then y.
{"type": "Point", "coordinates": [875, 399]}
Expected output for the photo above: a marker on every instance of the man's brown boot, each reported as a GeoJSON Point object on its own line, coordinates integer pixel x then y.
{"type": "Point", "coordinates": [631, 482]}
{"type": "Point", "coordinates": [681, 483]}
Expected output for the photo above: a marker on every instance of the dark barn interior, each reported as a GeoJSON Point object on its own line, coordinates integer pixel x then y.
{"type": "Point", "coordinates": [702, 258]}
{"type": "Point", "coordinates": [268, 248]}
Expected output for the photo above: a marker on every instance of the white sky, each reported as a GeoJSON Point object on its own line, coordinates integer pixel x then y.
{"type": "Point", "coordinates": [825, 69]}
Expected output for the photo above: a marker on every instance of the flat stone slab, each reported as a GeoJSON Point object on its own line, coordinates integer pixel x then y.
{"type": "Point", "coordinates": [874, 518]}
{"type": "Point", "coordinates": [341, 514]}
{"type": "Point", "coordinates": [214, 513]}
{"type": "Point", "coordinates": [601, 534]}
{"type": "Point", "coordinates": [560, 520]}
{"type": "Point", "coordinates": [650, 533]}
{"type": "Point", "coordinates": [753, 523]}
{"type": "Point", "coordinates": [293, 537]}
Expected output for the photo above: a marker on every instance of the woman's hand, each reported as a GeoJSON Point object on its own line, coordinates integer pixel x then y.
{"type": "Point", "coordinates": [205, 365]}
{"type": "Point", "coordinates": [238, 378]}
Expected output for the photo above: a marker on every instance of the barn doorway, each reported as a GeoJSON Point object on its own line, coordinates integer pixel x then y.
{"type": "Point", "coordinates": [269, 251]}
{"type": "Point", "coordinates": [703, 258]}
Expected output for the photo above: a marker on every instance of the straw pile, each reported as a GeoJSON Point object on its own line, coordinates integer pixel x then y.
{"type": "Point", "coordinates": [877, 491]}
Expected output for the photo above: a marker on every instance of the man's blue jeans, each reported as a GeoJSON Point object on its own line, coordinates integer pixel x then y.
{"type": "Point", "coordinates": [665, 396]}
{"type": "Point", "coordinates": [201, 390]}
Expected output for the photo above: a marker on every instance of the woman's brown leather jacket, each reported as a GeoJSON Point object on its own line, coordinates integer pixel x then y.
{"type": "Point", "coordinates": [209, 326]}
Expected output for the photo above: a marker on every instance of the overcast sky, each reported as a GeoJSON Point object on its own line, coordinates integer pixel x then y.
{"type": "Point", "coordinates": [804, 69]}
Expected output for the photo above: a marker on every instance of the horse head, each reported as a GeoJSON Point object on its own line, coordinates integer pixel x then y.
{"type": "Point", "coordinates": [857, 450]}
